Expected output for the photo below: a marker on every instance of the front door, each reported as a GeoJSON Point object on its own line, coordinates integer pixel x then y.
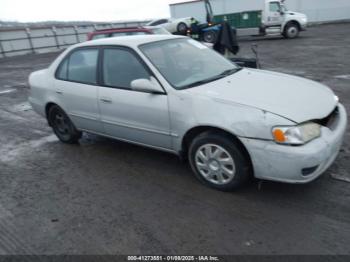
{"type": "Point", "coordinates": [273, 14]}
{"type": "Point", "coordinates": [131, 115]}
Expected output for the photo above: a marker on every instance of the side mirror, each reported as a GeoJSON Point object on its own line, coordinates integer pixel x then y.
{"type": "Point", "coordinates": [147, 86]}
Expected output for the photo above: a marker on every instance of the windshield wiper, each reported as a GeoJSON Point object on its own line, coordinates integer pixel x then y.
{"type": "Point", "coordinates": [231, 71]}
{"type": "Point", "coordinates": [202, 82]}
{"type": "Point", "coordinates": [211, 79]}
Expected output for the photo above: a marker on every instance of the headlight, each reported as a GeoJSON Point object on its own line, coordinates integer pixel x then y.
{"type": "Point", "coordinates": [296, 135]}
{"type": "Point", "coordinates": [304, 20]}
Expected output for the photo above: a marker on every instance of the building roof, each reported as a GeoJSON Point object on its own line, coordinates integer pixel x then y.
{"type": "Point", "coordinates": [182, 3]}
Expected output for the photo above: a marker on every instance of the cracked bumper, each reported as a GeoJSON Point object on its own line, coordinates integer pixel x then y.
{"type": "Point", "coordinates": [283, 163]}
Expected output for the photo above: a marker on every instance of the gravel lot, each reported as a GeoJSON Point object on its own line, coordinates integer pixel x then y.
{"type": "Point", "coordinates": [108, 197]}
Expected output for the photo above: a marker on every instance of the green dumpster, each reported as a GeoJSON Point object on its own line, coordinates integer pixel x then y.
{"type": "Point", "coordinates": [249, 19]}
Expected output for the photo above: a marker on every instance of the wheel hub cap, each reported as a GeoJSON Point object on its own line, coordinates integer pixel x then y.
{"type": "Point", "coordinates": [61, 124]}
{"type": "Point", "coordinates": [292, 31]}
{"type": "Point", "coordinates": [215, 164]}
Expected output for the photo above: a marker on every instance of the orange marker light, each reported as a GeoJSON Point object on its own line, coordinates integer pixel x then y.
{"type": "Point", "coordinates": [279, 135]}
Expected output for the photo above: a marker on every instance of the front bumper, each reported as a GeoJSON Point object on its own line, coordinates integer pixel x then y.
{"type": "Point", "coordinates": [283, 163]}
{"type": "Point", "coordinates": [303, 27]}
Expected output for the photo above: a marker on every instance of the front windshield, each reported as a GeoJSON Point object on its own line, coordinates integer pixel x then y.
{"type": "Point", "coordinates": [284, 8]}
{"type": "Point", "coordinates": [187, 63]}
{"type": "Point", "coordinates": [159, 31]}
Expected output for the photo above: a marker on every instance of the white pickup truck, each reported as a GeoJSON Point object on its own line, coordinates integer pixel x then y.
{"type": "Point", "coordinates": [249, 17]}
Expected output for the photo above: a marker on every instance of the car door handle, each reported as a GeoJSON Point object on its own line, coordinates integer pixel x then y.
{"type": "Point", "coordinates": [59, 92]}
{"type": "Point", "coordinates": [106, 100]}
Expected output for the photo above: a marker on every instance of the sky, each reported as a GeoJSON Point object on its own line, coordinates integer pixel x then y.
{"type": "Point", "coordinates": [83, 10]}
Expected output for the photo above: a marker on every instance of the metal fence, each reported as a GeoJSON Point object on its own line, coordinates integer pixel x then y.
{"type": "Point", "coordinates": [21, 41]}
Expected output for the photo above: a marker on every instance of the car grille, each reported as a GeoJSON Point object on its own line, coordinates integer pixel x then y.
{"type": "Point", "coordinates": [331, 120]}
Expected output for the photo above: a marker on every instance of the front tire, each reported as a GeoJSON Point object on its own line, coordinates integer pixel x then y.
{"type": "Point", "coordinates": [219, 162]}
{"type": "Point", "coordinates": [291, 31]}
{"type": "Point", "coordinates": [63, 126]}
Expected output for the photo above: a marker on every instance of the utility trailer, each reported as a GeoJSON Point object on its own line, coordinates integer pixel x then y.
{"type": "Point", "coordinates": [249, 17]}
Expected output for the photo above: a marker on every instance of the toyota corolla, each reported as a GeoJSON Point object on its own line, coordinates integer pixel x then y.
{"type": "Point", "coordinates": [174, 94]}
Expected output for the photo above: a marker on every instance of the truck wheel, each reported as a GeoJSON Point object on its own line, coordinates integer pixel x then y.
{"type": "Point", "coordinates": [210, 37]}
{"type": "Point", "coordinates": [218, 161]}
{"type": "Point", "coordinates": [63, 126]}
{"type": "Point", "coordinates": [182, 28]}
{"type": "Point", "coordinates": [291, 31]}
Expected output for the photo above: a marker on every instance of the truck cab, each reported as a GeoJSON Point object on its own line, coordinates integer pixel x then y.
{"type": "Point", "coordinates": [248, 17]}
{"type": "Point", "coordinates": [277, 19]}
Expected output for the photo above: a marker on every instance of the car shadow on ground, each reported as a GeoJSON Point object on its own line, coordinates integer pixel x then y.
{"type": "Point", "coordinates": [170, 166]}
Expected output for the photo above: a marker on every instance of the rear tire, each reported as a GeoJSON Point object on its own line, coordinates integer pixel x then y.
{"type": "Point", "coordinates": [210, 37]}
{"type": "Point", "coordinates": [63, 126]}
{"type": "Point", "coordinates": [291, 31]}
{"type": "Point", "coordinates": [182, 28]}
{"type": "Point", "coordinates": [219, 162]}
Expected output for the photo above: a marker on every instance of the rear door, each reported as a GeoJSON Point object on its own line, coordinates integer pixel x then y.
{"type": "Point", "coordinates": [127, 114]}
{"type": "Point", "coordinates": [76, 88]}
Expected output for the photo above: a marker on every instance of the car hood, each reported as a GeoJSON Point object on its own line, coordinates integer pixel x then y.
{"type": "Point", "coordinates": [294, 98]}
{"type": "Point", "coordinates": [291, 13]}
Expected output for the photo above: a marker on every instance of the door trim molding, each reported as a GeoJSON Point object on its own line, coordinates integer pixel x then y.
{"type": "Point", "coordinates": [132, 142]}
{"type": "Point", "coordinates": [84, 116]}
{"type": "Point", "coordinates": [136, 127]}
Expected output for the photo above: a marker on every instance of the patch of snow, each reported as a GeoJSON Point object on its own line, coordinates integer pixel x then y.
{"type": "Point", "coordinates": [7, 91]}
{"type": "Point", "coordinates": [347, 77]}
{"type": "Point", "coordinates": [11, 152]}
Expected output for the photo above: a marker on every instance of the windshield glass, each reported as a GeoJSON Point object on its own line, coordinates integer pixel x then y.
{"type": "Point", "coordinates": [284, 8]}
{"type": "Point", "coordinates": [159, 31]}
{"type": "Point", "coordinates": [187, 63]}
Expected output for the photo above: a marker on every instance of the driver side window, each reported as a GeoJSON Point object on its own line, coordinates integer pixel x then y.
{"type": "Point", "coordinates": [275, 7]}
{"type": "Point", "coordinates": [121, 67]}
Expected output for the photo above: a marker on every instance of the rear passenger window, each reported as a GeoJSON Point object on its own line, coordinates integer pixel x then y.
{"type": "Point", "coordinates": [80, 66]}
{"type": "Point", "coordinates": [138, 33]}
{"type": "Point", "coordinates": [121, 67]}
{"type": "Point", "coordinates": [63, 70]}
{"type": "Point", "coordinates": [119, 34]}
{"type": "Point", "coordinates": [128, 33]}
{"type": "Point", "coordinates": [99, 36]}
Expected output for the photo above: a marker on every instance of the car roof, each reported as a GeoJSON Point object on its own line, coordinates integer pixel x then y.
{"type": "Point", "coordinates": [131, 41]}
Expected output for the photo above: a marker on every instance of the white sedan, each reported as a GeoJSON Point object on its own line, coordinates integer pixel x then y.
{"type": "Point", "coordinates": [173, 25]}
{"type": "Point", "coordinates": [174, 94]}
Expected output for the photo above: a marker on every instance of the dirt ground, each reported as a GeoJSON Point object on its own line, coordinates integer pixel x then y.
{"type": "Point", "coordinates": [109, 197]}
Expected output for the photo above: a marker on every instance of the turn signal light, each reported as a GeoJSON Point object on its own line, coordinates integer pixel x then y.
{"type": "Point", "coordinates": [279, 135]}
